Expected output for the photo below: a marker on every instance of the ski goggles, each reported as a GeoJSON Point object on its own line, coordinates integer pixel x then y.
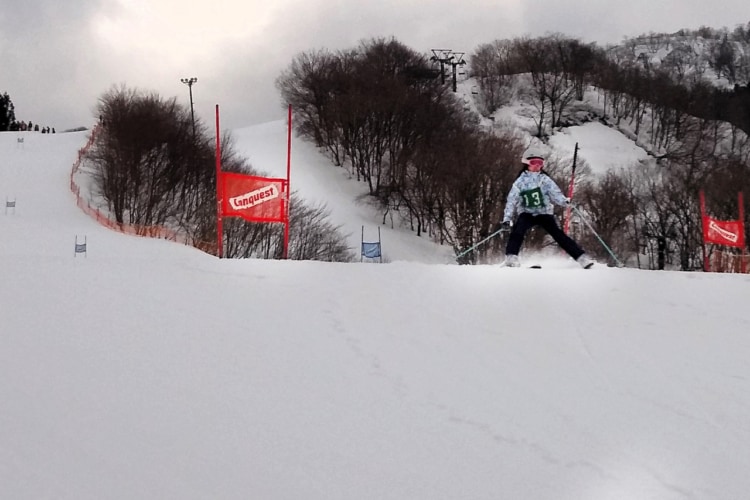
{"type": "Point", "coordinates": [535, 162]}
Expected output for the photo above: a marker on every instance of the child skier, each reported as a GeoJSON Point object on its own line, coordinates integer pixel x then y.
{"type": "Point", "coordinates": [532, 196]}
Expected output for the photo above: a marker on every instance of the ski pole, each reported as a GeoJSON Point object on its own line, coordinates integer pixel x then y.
{"type": "Point", "coordinates": [619, 264]}
{"type": "Point", "coordinates": [488, 238]}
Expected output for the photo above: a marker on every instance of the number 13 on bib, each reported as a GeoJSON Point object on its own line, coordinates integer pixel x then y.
{"type": "Point", "coordinates": [532, 198]}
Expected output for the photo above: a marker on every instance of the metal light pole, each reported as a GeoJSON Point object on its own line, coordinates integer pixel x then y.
{"type": "Point", "coordinates": [189, 82]}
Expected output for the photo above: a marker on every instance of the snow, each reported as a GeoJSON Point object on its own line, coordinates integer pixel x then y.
{"type": "Point", "coordinates": [150, 370]}
{"type": "Point", "coordinates": [601, 147]}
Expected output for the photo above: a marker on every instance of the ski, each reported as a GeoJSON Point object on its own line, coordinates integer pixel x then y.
{"type": "Point", "coordinates": [533, 266]}
{"type": "Point", "coordinates": [537, 266]}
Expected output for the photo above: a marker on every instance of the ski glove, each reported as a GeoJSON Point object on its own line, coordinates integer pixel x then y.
{"type": "Point", "coordinates": [505, 225]}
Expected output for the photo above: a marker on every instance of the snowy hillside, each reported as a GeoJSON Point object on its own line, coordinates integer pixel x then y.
{"type": "Point", "coordinates": [601, 147]}
{"type": "Point", "coordinates": [318, 182]}
{"type": "Point", "coordinates": [150, 370]}
{"type": "Point", "coordinates": [688, 56]}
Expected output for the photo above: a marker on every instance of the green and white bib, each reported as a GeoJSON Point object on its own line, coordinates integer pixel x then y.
{"type": "Point", "coordinates": [532, 198]}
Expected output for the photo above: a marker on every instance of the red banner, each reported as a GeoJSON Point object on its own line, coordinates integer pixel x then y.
{"type": "Point", "coordinates": [728, 233]}
{"type": "Point", "coordinates": [256, 199]}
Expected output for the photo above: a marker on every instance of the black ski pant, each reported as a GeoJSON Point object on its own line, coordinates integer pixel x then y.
{"type": "Point", "coordinates": [526, 221]}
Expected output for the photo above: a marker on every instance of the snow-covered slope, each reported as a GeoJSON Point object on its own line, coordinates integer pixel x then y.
{"type": "Point", "coordinates": [150, 370]}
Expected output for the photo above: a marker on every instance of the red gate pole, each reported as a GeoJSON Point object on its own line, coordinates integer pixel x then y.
{"type": "Point", "coordinates": [743, 264]}
{"type": "Point", "coordinates": [702, 198]}
{"type": "Point", "coordinates": [288, 181]}
{"type": "Point", "coordinates": [566, 224]}
{"type": "Point", "coordinates": [219, 197]}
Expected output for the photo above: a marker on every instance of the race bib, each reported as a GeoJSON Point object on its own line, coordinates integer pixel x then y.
{"type": "Point", "coordinates": [532, 198]}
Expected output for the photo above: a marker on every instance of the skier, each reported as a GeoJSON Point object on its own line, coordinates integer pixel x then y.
{"type": "Point", "coordinates": [532, 196]}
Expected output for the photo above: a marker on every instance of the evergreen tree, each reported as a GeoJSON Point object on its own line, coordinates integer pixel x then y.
{"type": "Point", "coordinates": [724, 59]}
{"type": "Point", "coordinates": [7, 113]}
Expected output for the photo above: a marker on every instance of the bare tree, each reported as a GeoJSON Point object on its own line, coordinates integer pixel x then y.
{"type": "Point", "coordinates": [544, 60]}
{"type": "Point", "coordinates": [493, 65]}
{"type": "Point", "coordinates": [610, 205]}
{"type": "Point", "coordinates": [141, 156]}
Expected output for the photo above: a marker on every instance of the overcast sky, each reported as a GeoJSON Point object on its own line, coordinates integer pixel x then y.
{"type": "Point", "coordinates": [58, 57]}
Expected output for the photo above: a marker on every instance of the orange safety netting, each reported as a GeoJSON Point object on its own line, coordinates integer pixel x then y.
{"type": "Point", "coordinates": [134, 229]}
{"type": "Point", "coordinates": [728, 262]}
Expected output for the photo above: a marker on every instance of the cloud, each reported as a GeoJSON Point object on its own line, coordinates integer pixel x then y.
{"type": "Point", "coordinates": [41, 49]}
{"type": "Point", "coordinates": [610, 21]}
{"type": "Point", "coordinates": [251, 65]}
{"type": "Point", "coordinates": [59, 57]}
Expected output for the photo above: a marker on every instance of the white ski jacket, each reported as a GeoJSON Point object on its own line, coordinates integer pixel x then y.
{"type": "Point", "coordinates": [535, 193]}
